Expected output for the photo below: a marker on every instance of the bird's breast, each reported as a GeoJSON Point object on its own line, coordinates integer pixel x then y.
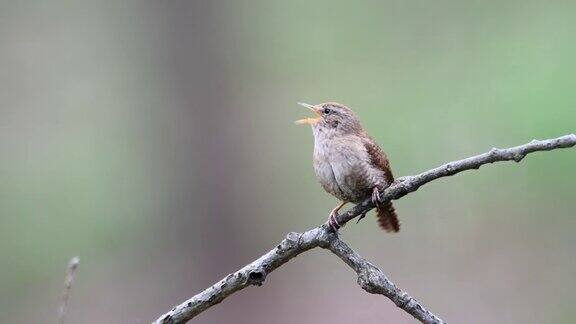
{"type": "Point", "coordinates": [343, 169]}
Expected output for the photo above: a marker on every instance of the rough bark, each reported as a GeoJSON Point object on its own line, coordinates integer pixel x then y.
{"type": "Point", "coordinates": [370, 278]}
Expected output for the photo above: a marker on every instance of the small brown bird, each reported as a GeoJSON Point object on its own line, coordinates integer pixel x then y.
{"type": "Point", "coordinates": [348, 163]}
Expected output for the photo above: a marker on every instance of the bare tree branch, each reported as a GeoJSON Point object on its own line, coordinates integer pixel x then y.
{"type": "Point", "coordinates": [374, 281]}
{"type": "Point", "coordinates": [68, 281]}
{"type": "Point", "coordinates": [410, 184]}
{"type": "Point", "coordinates": [370, 278]}
{"type": "Point", "coordinates": [253, 274]}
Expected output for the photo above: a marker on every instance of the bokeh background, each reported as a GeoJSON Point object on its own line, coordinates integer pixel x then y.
{"type": "Point", "coordinates": [155, 140]}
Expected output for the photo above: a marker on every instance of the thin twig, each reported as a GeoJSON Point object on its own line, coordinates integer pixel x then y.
{"type": "Point", "coordinates": [370, 278]}
{"type": "Point", "coordinates": [68, 281]}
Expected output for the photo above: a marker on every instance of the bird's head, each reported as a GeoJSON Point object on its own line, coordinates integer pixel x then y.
{"type": "Point", "coordinates": [332, 119]}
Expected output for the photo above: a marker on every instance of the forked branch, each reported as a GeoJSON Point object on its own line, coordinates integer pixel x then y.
{"type": "Point", "coordinates": [370, 278]}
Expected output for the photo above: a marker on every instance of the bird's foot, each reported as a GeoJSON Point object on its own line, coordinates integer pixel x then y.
{"type": "Point", "coordinates": [376, 197]}
{"type": "Point", "coordinates": [333, 221]}
{"type": "Point", "coordinates": [333, 218]}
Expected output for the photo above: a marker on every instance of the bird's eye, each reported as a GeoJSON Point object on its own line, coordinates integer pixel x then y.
{"type": "Point", "coordinates": [327, 111]}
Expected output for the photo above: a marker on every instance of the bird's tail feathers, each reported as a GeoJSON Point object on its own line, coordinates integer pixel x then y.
{"type": "Point", "coordinates": [387, 217]}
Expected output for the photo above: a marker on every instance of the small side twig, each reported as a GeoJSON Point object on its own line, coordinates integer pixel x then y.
{"type": "Point", "coordinates": [68, 281]}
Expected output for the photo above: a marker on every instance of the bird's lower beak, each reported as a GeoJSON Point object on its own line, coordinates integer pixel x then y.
{"type": "Point", "coordinates": [310, 120]}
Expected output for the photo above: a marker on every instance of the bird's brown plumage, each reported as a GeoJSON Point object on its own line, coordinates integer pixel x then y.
{"type": "Point", "coordinates": [348, 163]}
{"type": "Point", "coordinates": [386, 213]}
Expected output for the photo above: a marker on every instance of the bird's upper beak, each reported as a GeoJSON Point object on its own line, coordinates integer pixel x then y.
{"type": "Point", "coordinates": [310, 120]}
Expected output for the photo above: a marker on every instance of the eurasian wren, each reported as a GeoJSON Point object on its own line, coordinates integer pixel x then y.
{"type": "Point", "coordinates": [348, 163]}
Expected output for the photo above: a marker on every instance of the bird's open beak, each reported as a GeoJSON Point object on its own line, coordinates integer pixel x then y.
{"type": "Point", "coordinates": [310, 120]}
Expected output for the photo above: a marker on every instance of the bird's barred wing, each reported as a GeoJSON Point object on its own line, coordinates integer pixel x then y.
{"type": "Point", "coordinates": [387, 217]}
{"type": "Point", "coordinates": [378, 159]}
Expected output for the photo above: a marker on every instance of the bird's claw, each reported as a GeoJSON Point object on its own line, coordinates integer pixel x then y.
{"type": "Point", "coordinates": [333, 221]}
{"type": "Point", "coordinates": [376, 197]}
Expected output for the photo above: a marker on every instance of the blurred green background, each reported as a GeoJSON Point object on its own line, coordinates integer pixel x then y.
{"type": "Point", "coordinates": [155, 140]}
